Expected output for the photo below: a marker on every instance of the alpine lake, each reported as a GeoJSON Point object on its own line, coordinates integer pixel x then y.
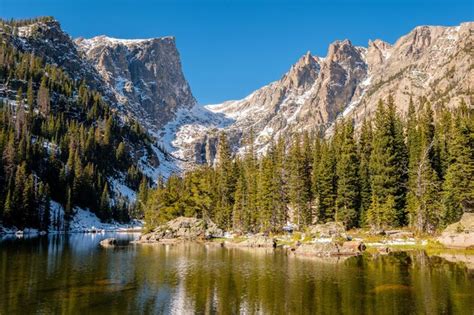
{"type": "Point", "coordinates": [72, 274]}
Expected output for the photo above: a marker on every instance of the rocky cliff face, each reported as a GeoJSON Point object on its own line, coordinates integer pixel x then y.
{"type": "Point", "coordinates": [47, 40]}
{"type": "Point", "coordinates": [431, 61]}
{"type": "Point", "coordinates": [145, 76]}
{"type": "Point", "coordinates": [142, 79]}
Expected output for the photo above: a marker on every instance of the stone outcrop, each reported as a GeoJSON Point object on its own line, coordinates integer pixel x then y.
{"type": "Point", "coordinates": [182, 228]}
{"type": "Point", "coordinates": [326, 230]}
{"type": "Point", "coordinates": [430, 61]}
{"type": "Point", "coordinates": [145, 75]}
{"type": "Point", "coordinates": [257, 241]}
{"type": "Point", "coordinates": [329, 249]}
{"type": "Point", "coordinates": [459, 234]}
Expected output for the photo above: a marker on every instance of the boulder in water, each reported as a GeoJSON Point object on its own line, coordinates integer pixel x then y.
{"type": "Point", "coordinates": [108, 242]}
{"type": "Point", "coordinates": [318, 249]}
{"type": "Point", "coordinates": [256, 241]}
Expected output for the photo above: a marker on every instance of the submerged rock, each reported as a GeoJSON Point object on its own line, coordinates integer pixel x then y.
{"type": "Point", "coordinates": [459, 234]}
{"type": "Point", "coordinates": [108, 242]}
{"type": "Point", "coordinates": [182, 228]}
{"type": "Point", "coordinates": [467, 260]}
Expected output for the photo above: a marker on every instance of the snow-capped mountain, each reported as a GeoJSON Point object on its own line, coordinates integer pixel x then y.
{"type": "Point", "coordinates": [143, 79]}
{"type": "Point", "coordinates": [430, 61]}
{"type": "Point", "coordinates": [144, 75]}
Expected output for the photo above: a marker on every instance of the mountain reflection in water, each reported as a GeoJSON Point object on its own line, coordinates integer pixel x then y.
{"type": "Point", "coordinates": [73, 274]}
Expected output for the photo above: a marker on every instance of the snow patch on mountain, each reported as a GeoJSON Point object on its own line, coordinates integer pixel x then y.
{"type": "Point", "coordinates": [83, 221]}
{"type": "Point", "coordinates": [188, 125]}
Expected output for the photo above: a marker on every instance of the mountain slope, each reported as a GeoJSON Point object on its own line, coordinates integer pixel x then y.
{"type": "Point", "coordinates": [431, 61]}
{"type": "Point", "coordinates": [145, 76]}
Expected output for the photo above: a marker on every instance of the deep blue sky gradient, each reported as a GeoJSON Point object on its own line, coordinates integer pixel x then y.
{"type": "Point", "coordinates": [231, 47]}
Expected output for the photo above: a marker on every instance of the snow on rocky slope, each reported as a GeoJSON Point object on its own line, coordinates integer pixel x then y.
{"type": "Point", "coordinates": [83, 221]}
{"type": "Point", "coordinates": [144, 80]}
{"type": "Point", "coordinates": [430, 61]}
{"type": "Point", "coordinates": [145, 75]}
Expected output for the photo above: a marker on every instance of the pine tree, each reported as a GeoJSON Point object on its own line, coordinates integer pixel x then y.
{"type": "Point", "coordinates": [365, 152]}
{"type": "Point", "coordinates": [388, 164]}
{"type": "Point", "coordinates": [326, 184]}
{"type": "Point", "coordinates": [240, 220]}
{"type": "Point", "coordinates": [459, 184]}
{"type": "Point", "coordinates": [225, 184]}
{"type": "Point", "coordinates": [43, 99]}
{"type": "Point", "coordinates": [265, 193]}
{"type": "Point", "coordinates": [30, 94]}
{"type": "Point", "coordinates": [348, 186]}
{"type": "Point", "coordinates": [105, 202]}
{"type": "Point", "coordinates": [424, 184]}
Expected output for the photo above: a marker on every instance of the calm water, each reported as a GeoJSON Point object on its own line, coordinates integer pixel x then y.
{"type": "Point", "coordinates": [72, 274]}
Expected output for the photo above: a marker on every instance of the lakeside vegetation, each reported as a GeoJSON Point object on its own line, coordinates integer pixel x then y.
{"type": "Point", "coordinates": [396, 171]}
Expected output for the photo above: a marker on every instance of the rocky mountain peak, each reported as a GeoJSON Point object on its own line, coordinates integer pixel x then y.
{"type": "Point", "coordinates": [340, 50]}
{"type": "Point", "coordinates": [45, 38]}
{"type": "Point", "coordinates": [377, 52]}
{"type": "Point", "coordinates": [429, 61]}
{"type": "Point", "coordinates": [303, 73]}
{"type": "Point", "coordinates": [145, 75]}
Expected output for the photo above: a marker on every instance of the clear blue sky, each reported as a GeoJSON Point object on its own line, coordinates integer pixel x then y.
{"type": "Point", "coordinates": [231, 47]}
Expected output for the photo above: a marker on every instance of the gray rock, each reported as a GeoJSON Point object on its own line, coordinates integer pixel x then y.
{"type": "Point", "coordinates": [330, 249]}
{"type": "Point", "coordinates": [145, 76]}
{"type": "Point", "coordinates": [459, 234]}
{"type": "Point", "coordinates": [183, 228]}
{"type": "Point", "coordinates": [108, 242]}
{"type": "Point", "coordinates": [256, 241]}
{"type": "Point", "coordinates": [326, 230]}
{"type": "Point", "coordinates": [318, 249]}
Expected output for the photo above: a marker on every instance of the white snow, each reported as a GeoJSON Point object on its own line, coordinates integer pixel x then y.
{"type": "Point", "coordinates": [25, 31]}
{"type": "Point", "coordinates": [189, 124]}
{"type": "Point", "coordinates": [91, 43]}
{"type": "Point", "coordinates": [123, 190]}
{"type": "Point", "coordinates": [83, 221]}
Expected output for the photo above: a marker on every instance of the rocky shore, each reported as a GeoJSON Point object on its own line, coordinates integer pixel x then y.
{"type": "Point", "coordinates": [182, 229]}
{"type": "Point", "coordinates": [322, 240]}
{"type": "Point", "coordinates": [459, 234]}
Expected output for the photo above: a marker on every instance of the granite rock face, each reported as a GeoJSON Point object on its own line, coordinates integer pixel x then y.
{"type": "Point", "coordinates": [142, 79]}
{"type": "Point", "coordinates": [180, 229]}
{"type": "Point", "coordinates": [431, 61]}
{"type": "Point", "coordinates": [459, 234]}
{"type": "Point", "coordinates": [144, 75]}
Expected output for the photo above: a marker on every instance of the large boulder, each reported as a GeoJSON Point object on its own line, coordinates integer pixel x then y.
{"type": "Point", "coordinates": [318, 249]}
{"type": "Point", "coordinates": [326, 230]}
{"type": "Point", "coordinates": [256, 241]}
{"type": "Point", "coordinates": [329, 249]}
{"type": "Point", "coordinates": [182, 228]}
{"type": "Point", "coordinates": [459, 234]}
{"type": "Point", "coordinates": [352, 248]}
